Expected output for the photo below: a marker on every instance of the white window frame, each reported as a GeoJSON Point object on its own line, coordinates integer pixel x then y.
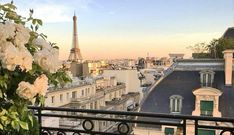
{"type": "Point", "coordinates": [206, 81]}
{"type": "Point", "coordinates": [176, 103]}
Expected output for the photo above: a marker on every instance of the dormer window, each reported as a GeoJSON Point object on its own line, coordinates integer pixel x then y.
{"type": "Point", "coordinates": [176, 103]}
{"type": "Point", "coordinates": [207, 78]}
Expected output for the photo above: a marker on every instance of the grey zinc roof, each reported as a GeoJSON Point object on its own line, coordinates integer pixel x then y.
{"type": "Point", "coordinates": [177, 83]}
{"type": "Point", "coordinates": [183, 83]}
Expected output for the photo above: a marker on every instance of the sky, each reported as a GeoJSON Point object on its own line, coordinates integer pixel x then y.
{"type": "Point", "coordinates": [109, 29]}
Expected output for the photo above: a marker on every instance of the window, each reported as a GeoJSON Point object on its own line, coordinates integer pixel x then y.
{"type": "Point", "coordinates": [67, 96]}
{"type": "Point", "coordinates": [169, 131]}
{"type": "Point", "coordinates": [207, 78]}
{"type": "Point", "coordinates": [95, 105]}
{"type": "Point", "coordinates": [206, 108]}
{"type": "Point", "coordinates": [175, 104]}
{"type": "Point", "coordinates": [104, 124]}
{"type": "Point", "coordinates": [52, 99]}
{"type": "Point", "coordinates": [74, 94]}
{"type": "Point", "coordinates": [91, 105]}
{"type": "Point", "coordinates": [206, 132]}
{"type": "Point", "coordinates": [82, 92]}
{"type": "Point", "coordinates": [61, 98]}
{"type": "Point", "coordinates": [88, 91]}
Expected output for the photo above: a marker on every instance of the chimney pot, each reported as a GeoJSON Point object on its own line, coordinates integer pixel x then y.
{"type": "Point", "coordinates": [228, 57]}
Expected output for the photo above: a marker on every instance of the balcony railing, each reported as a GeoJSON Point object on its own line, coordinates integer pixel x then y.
{"type": "Point", "coordinates": [124, 123]}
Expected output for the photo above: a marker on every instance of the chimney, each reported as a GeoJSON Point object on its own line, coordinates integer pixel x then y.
{"type": "Point", "coordinates": [228, 56]}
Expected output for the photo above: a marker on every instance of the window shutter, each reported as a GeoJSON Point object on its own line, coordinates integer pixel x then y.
{"type": "Point", "coordinates": [169, 131]}
{"type": "Point", "coordinates": [207, 105]}
{"type": "Point", "coordinates": [206, 132]}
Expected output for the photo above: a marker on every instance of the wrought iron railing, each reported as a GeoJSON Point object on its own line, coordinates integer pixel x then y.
{"type": "Point", "coordinates": [124, 122]}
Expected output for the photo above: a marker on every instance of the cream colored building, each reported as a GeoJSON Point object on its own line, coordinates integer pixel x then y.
{"type": "Point", "coordinates": [103, 93]}
{"type": "Point", "coordinates": [128, 76]}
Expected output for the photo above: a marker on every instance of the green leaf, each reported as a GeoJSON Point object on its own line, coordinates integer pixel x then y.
{"type": "Point", "coordinates": [31, 27]}
{"type": "Point", "coordinates": [36, 28]}
{"type": "Point", "coordinates": [31, 11]}
{"type": "Point", "coordinates": [56, 47]}
{"type": "Point", "coordinates": [1, 95]}
{"type": "Point", "coordinates": [1, 127]}
{"type": "Point", "coordinates": [15, 125]}
{"type": "Point", "coordinates": [3, 118]}
{"type": "Point", "coordinates": [39, 22]}
{"type": "Point", "coordinates": [10, 5]}
{"type": "Point", "coordinates": [24, 125]}
{"type": "Point", "coordinates": [31, 119]}
{"type": "Point", "coordinates": [3, 112]}
{"type": "Point", "coordinates": [34, 21]}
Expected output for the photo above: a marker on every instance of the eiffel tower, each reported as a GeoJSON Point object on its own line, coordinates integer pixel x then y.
{"type": "Point", "coordinates": [75, 54]}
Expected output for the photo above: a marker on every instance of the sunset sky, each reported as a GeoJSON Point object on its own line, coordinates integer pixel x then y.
{"type": "Point", "coordinates": [131, 28]}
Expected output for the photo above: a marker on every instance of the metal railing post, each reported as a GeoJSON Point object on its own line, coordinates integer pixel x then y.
{"type": "Point", "coordinates": [39, 119]}
{"type": "Point", "coordinates": [184, 126]}
{"type": "Point", "coordinates": [196, 127]}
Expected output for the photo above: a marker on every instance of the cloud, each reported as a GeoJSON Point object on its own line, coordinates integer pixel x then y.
{"type": "Point", "coordinates": [51, 11]}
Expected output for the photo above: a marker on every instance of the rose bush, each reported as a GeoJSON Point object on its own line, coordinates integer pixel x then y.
{"type": "Point", "coordinates": [28, 64]}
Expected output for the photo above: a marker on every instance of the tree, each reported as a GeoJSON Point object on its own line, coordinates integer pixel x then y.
{"type": "Point", "coordinates": [217, 46]}
{"type": "Point", "coordinates": [198, 48]}
{"type": "Point", "coordinates": [212, 50]}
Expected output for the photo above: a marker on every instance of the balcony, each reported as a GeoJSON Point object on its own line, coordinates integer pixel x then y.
{"type": "Point", "coordinates": [126, 122]}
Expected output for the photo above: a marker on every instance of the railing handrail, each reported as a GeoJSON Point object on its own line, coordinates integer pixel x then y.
{"type": "Point", "coordinates": [142, 114]}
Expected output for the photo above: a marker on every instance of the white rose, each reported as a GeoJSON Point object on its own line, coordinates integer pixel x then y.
{"type": "Point", "coordinates": [42, 43]}
{"type": "Point", "coordinates": [22, 35]}
{"type": "Point", "coordinates": [27, 60]}
{"type": "Point", "coordinates": [41, 84]}
{"type": "Point", "coordinates": [47, 60]}
{"type": "Point", "coordinates": [9, 56]}
{"type": "Point", "coordinates": [7, 30]}
{"type": "Point", "coordinates": [26, 90]}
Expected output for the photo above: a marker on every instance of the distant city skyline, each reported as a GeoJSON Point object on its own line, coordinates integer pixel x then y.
{"type": "Point", "coordinates": [131, 28]}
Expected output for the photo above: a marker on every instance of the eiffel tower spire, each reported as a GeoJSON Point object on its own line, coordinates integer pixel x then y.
{"type": "Point", "coordinates": [75, 54]}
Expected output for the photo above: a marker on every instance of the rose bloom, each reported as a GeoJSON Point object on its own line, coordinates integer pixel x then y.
{"type": "Point", "coordinates": [41, 84]}
{"type": "Point", "coordinates": [47, 60]}
{"type": "Point", "coordinates": [21, 35]}
{"type": "Point", "coordinates": [27, 60]}
{"type": "Point", "coordinates": [7, 30]}
{"type": "Point", "coordinates": [9, 56]}
{"type": "Point", "coordinates": [26, 90]}
{"type": "Point", "coordinates": [42, 43]}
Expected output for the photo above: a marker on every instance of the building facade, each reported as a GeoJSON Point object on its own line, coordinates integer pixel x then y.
{"type": "Point", "coordinates": [101, 93]}
{"type": "Point", "coordinates": [198, 87]}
